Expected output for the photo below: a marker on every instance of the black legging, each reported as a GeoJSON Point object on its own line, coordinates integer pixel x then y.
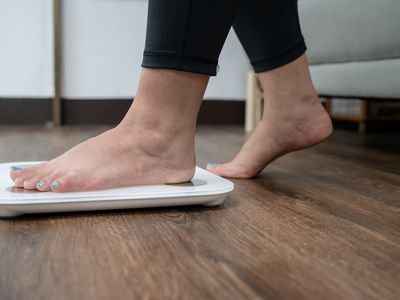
{"type": "Point", "coordinates": [188, 35]}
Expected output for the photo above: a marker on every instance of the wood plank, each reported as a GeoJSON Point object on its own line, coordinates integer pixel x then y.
{"type": "Point", "coordinates": [317, 224]}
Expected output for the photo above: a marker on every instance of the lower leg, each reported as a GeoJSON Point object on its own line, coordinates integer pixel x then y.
{"type": "Point", "coordinates": [153, 144]}
{"type": "Point", "coordinates": [293, 119]}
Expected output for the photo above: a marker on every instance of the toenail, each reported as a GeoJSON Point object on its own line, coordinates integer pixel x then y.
{"type": "Point", "coordinates": [28, 181]}
{"type": "Point", "coordinates": [54, 185]}
{"type": "Point", "coordinates": [40, 184]}
{"type": "Point", "coordinates": [15, 168]}
{"type": "Point", "coordinates": [211, 165]}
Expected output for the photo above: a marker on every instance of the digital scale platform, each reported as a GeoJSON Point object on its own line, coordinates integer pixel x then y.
{"type": "Point", "coordinates": [204, 189]}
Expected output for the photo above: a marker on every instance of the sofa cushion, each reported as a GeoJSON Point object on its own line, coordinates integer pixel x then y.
{"type": "Point", "coordinates": [370, 79]}
{"type": "Point", "coordinates": [350, 30]}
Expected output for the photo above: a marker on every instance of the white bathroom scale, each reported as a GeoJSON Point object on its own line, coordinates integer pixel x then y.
{"type": "Point", "coordinates": [204, 189]}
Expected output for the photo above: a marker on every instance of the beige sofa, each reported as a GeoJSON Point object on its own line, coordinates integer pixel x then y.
{"type": "Point", "coordinates": [353, 50]}
{"type": "Point", "coordinates": [353, 46]}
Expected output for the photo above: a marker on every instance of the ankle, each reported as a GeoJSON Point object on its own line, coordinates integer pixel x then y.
{"type": "Point", "coordinates": [173, 151]}
{"type": "Point", "coordinates": [161, 122]}
{"type": "Point", "coordinates": [161, 136]}
{"type": "Point", "coordinates": [292, 104]}
{"type": "Point", "coordinates": [157, 135]}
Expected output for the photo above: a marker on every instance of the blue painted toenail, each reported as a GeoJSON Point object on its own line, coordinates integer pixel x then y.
{"type": "Point", "coordinates": [40, 184]}
{"type": "Point", "coordinates": [15, 168]}
{"type": "Point", "coordinates": [210, 165]}
{"type": "Point", "coordinates": [54, 185]}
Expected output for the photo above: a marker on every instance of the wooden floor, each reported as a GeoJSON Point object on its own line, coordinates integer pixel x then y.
{"type": "Point", "coordinates": [317, 224]}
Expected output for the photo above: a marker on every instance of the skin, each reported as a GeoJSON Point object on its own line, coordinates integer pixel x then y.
{"type": "Point", "coordinates": [293, 119]}
{"type": "Point", "coordinates": [154, 143]}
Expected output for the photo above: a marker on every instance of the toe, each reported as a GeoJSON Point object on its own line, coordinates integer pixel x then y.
{"type": "Point", "coordinates": [19, 176]}
{"type": "Point", "coordinates": [231, 170]}
{"type": "Point", "coordinates": [20, 179]}
{"type": "Point", "coordinates": [21, 173]}
{"type": "Point", "coordinates": [224, 170]}
{"type": "Point", "coordinates": [30, 183]}
{"type": "Point", "coordinates": [216, 169]}
{"type": "Point", "coordinates": [43, 185]}
{"type": "Point", "coordinates": [15, 173]}
{"type": "Point", "coordinates": [55, 185]}
{"type": "Point", "coordinates": [65, 184]}
{"type": "Point", "coordinates": [48, 183]}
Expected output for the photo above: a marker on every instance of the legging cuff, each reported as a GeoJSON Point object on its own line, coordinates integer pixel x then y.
{"type": "Point", "coordinates": [180, 63]}
{"type": "Point", "coordinates": [280, 59]}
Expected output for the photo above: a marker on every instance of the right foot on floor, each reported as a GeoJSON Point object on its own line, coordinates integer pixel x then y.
{"type": "Point", "coordinates": [283, 129]}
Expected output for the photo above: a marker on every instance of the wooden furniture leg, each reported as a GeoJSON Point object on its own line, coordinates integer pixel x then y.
{"type": "Point", "coordinates": [361, 119]}
{"type": "Point", "coordinates": [254, 102]}
{"type": "Point", "coordinates": [250, 117]}
{"type": "Point", "coordinates": [328, 105]}
{"type": "Point", "coordinates": [362, 123]}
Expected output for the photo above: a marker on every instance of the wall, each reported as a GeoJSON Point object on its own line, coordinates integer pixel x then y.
{"type": "Point", "coordinates": [103, 42]}
{"type": "Point", "coordinates": [103, 45]}
{"type": "Point", "coordinates": [26, 64]}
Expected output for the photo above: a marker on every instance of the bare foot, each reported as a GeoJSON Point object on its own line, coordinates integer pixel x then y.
{"type": "Point", "coordinates": [154, 144]}
{"type": "Point", "coordinates": [293, 119]}
{"type": "Point", "coordinates": [280, 131]}
{"type": "Point", "coordinates": [118, 157]}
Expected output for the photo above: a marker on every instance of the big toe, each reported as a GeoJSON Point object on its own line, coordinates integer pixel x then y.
{"type": "Point", "coordinates": [15, 173]}
{"type": "Point", "coordinates": [231, 170]}
{"type": "Point", "coordinates": [23, 172]}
